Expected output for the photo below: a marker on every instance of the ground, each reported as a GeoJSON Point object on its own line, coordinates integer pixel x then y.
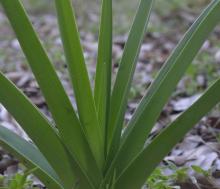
{"type": "Point", "coordinates": [168, 23]}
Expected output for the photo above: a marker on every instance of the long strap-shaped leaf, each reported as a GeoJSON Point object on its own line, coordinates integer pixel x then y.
{"type": "Point", "coordinates": [136, 173]}
{"type": "Point", "coordinates": [80, 80]}
{"type": "Point", "coordinates": [30, 156]}
{"type": "Point", "coordinates": [159, 92]}
{"type": "Point", "coordinates": [38, 129]}
{"type": "Point", "coordinates": [125, 73]}
{"type": "Point", "coordinates": [57, 100]}
{"type": "Point", "coordinates": [104, 66]}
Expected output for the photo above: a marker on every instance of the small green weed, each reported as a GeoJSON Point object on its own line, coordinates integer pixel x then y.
{"type": "Point", "coordinates": [17, 181]}
{"type": "Point", "coordinates": [161, 180]}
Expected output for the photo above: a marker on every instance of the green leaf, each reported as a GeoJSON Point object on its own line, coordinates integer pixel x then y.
{"type": "Point", "coordinates": [125, 74]}
{"type": "Point", "coordinates": [135, 174]}
{"type": "Point", "coordinates": [199, 170]}
{"type": "Point", "coordinates": [104, 66]}
{"type": "Point", "coordinates": [59, 104]}
{"type": "Point", "coordinates": [41, 132]}
{"type": "Point", "coordinates": [30, 156]}
{"type": "Point", "coordinates": [159, 92]}
{"type": "Point", "coordinates": [80, 80]}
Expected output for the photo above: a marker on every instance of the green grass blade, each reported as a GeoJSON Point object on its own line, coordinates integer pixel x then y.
{"type": "Point", "coordinates": [125, 73]}
{"type": "Point", "coordinates": [136, 173]}
{"type": "Point", "coordinates": [102, 91]}
{"type": "Point", "coordinates": [161, 89]}
{"type": "Point", "coordinates": [45, 137]}
{"type": "Point", "coordinates": [57, 100]}
{"type": "Point", "coordinates": [79, 76]}
{"type": "Point", "coordinates": [30, 156]}
{"type": "Point", "coordinates": [38, 129]}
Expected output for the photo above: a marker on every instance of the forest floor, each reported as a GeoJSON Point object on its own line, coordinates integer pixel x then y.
{"type": "Point", "coordinates": [200, 147]}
